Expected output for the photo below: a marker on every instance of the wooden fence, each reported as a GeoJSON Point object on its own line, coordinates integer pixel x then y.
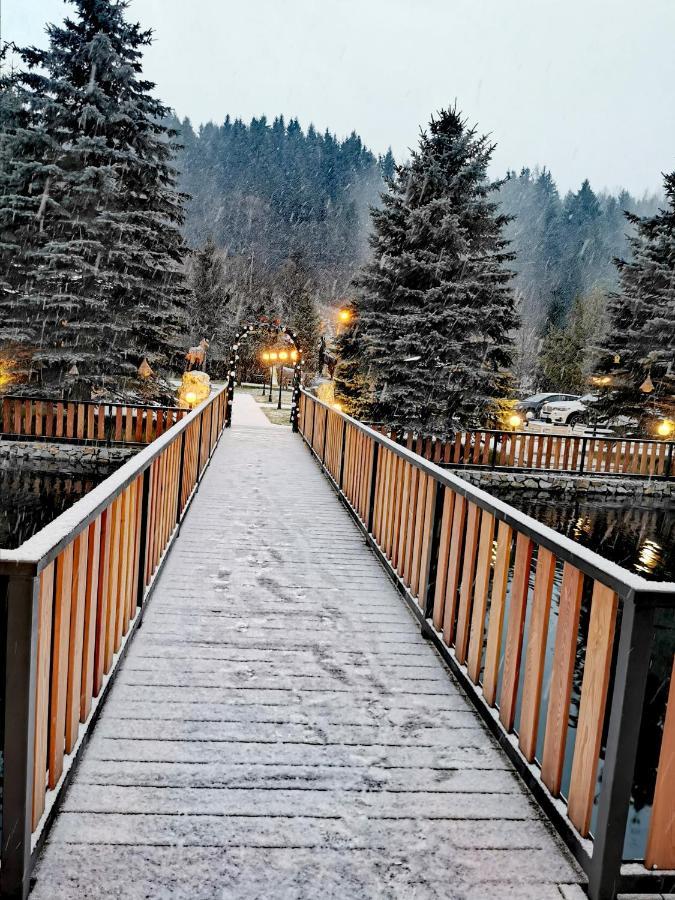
{"type": "Point", "coordinates": [479, 575]}
{"type": "Point", "coordinates": [62, 420]}
{"type": "Point", "coordinates": [72, 596]}
{"type": "Point", "coordinates": [525, 450]}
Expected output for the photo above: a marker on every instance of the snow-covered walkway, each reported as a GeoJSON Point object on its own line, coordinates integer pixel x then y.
{"type": "Point", "coordinates": [280, 729]}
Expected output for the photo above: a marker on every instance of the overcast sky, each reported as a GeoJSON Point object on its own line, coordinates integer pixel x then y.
{"type": "Point", "coordinates": [585, 87]}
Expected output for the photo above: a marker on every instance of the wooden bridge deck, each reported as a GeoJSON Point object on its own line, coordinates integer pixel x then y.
{"type": "Point", "coordinates": [279, 727]}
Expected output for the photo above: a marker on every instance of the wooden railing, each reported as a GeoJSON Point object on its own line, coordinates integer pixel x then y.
{"type": "Point", "coordinates": [534, 451]}
{"type": "Point", "coordinates": [480, 577]}
{"type": "Point", "coordinates": [72, 596]}
{"type": "Point", "coordinates": [63, 420]}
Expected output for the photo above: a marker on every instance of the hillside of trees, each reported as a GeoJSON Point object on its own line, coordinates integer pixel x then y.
{"type": "Point", "coordinates": [270, 192]}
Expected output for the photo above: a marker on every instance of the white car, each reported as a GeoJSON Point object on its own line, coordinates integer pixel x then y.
{"type": "Point", "coordinates": [569, 412]}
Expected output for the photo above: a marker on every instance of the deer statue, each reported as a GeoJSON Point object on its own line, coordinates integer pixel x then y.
{"type": "Point", "coordinates": [196, 356]}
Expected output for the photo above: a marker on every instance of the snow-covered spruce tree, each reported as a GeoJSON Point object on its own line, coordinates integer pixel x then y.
{"type": "Point", "coordinates": [436, 310]}
{"type": "Point", "coordinates": [306, 326]}
{"type": "Point", "coordinates": [94, 202]}
{"type": "Point", "coordinates": [641, 339]}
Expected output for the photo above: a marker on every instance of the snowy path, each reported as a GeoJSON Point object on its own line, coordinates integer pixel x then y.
{"type": "Point", "coordinates": [280, 729]}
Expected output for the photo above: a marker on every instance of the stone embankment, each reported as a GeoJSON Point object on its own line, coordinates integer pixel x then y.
{"type": "Point", "coordinates": [62, 458]}
{"type": "Point", "coordinates": [557, 483]}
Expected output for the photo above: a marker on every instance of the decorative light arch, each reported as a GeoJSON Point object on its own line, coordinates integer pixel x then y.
{"type": "Point", "coordinates": [272, 328]}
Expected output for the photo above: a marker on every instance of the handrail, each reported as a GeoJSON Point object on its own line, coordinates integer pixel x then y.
{"type": "Point", "coordinates": [40, 549]}
{"type": "Point", "coordinates": [484, 580]}
{"type": "Point", "coordinates": [617, 577]}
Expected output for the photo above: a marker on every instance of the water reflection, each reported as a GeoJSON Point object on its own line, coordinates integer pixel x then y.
{"type": "Point", "coordinates": [30, 500]}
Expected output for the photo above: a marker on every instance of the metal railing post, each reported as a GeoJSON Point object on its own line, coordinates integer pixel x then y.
{"type": "Point", "coordinates": [668, 467]}
{"type": "Point", "coordinates": [373, 480]}
{"type": "Point", "coordinates": [325, 439]}
{"type": "Point", "coordinates": [584, 442]}
{"type": "Point", "coordinates": [20, 612]}
{"type": "Point", "coordinates": [143, 537]}
{"type": "Point", "coordinates": [181, 467]}
{"type": "Point", "coordinates": [342, 453]}
{"type": "Point", "coordinates": [625, 718]}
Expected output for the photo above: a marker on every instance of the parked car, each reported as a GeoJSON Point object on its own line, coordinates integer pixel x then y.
{"type": "Point", "coordinates": [531, 407]}
{"type": "Point", "coordinates": [569, 412]}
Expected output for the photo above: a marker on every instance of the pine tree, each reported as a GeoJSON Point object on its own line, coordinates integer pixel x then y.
{"type": "Point", "coordinates": [91, 205]}
{"type": "Point", "coordinates": [435, 305]}
{"type": "Point", "coordinates": [641, 339]}
{"type": "Point", "coordinates": [306, 325]}
{"type": "Point", "coordinates": [209, 294]}
{"type": "Point", "coordinates": [352, 390]}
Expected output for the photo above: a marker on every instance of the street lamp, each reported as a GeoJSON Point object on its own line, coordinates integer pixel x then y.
{"type": "Point", "coordinates": [345, 315]}
{"type": "Point", "coordinates": [665, 428]}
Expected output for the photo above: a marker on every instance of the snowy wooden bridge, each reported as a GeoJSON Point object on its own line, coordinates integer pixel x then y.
{"type": "Point", "coordinates": [286, 722]}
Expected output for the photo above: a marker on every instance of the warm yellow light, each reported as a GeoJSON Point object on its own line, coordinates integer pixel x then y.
{"type": "Point", "coordinates": [665, 428]}
{"type": "Point", "coordinates": [515, 421]}
{"type": "Point", "coordinates": [283, 355]}
{"type": "Point", "coordinates": [344, 315]}
{"type": "Point", "coordinates": [337, 407]}
{"type": "Point", "coordinates": [265, 357]}
{"type": "Point", "coordinates": [273, 357]}
{"type": "Point", "coordinates": [647, 385]}
{"type": "Point", "coordinates": [294, 355]}
{"type": "Point", "coordinates": [190, 398]}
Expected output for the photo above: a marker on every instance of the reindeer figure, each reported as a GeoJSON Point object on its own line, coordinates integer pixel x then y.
{"type": "Point", "coordinates": [196, 356]}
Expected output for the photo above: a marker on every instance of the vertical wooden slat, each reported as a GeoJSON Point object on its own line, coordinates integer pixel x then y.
{"type": "Point", "coordinates": [535, 653]}
{"type": "Point", "coordinates": [443, 556]}
{"type": "Point", "coordinates": [660, 852]}
{"type": "Point", "coordinates": [514, 634]}
{"type": "Point", "coordinates": [562, 673]}
{"type": "Point", "coordinates": [59, 677]}
{"type": "Point", "coordinates": [592, 706]}
{"type": "Point", "coordinates": [487, 530]}
{"type": "Point", "coordinates": [123, 553]}
{"type": "Point", "coordinates": [466, 587]}
{"type": "Point", "coordinates": [493, 641]}
{"type": "Point", "coordinates": [79, 592]}
{"type": "Point", "coordinates": [102, 599]}
{"type": "Point", "coordinates": [409, 526]}
{"type": "Point", "coordinates": [90, 606]}
{"type": "Point", "coordinates": [414, 580]}
{"type": "Point", "coordinates": [113, 573]}
{"type": "Point", "coordinates": [46, 601]}
{"type": "Point", "coordinates": [452, 583]}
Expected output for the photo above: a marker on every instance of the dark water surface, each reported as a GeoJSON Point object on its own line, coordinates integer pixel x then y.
{"type": "Point", "coordinates": [30, 500]}
{"type": "Point", "coordinates": [640, 536]}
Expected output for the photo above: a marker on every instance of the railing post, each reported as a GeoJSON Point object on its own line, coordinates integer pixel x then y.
{"type": "Point", "coordinates": [19, 594]}
{"type": "Point", "coordinates": [325, 439]}
{"type": "Point", "coordinates": [493, 461]}
{"type": "Point", "coordinates": [625, 718]}
{"type": "Point", "coordinates": [199, 451]}
{"type": "Point", "coordinates": [584, 442]}
{"type": "Point", "coordinates": [668, 467]}
{"type": "Point", "coordinates": [342, 453]}
{"type": "Point", "coordinates": [373, 480]}
{"type": "Point", "coordinates": [311, 440]}
{"type": "Point", "coordinates": [180, 476]}
{"type": "Point", "coordinates": [143, 537]}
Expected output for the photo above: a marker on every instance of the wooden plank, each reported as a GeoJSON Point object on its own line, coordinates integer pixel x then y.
{"type": "Point", "coordinates": [562, 672]}
{"type": "Point", "coordinates": [44, 649]}
{"type": "Point", "coordinates": [414, 579]}
{"type": "Point", "coordinates": [38, 417]}
{"type": "Point", "coordinates": [493, 641]}
{"type": "Point", "coordinates": [113, 572]}
{"type": "Point", "coordinates": [535, 653]}
{"type": "Point", "coordinates": [409, 526]}
{"type": "Point", "coordinates": [75, 646]}
{"type": "Point", "coordinates": [125, 521]}
{"type": "Point", "coordinates": [138, 424]}
{"type": "Point", "coordinates": [59, 676]}
{"type": "Point", "coordinates": [466, 588]}
{"type": "Point", "coordinates": [90, 607]}
{"type": "Point", "coordinates": [480, 596]}
{"type": "Point", "coordinates": [101, 419]}
{"type": "Point", "coordinates": [81, 413]}
{"type": "Point", "coordinates": [514, 634]}
{"type": "Point", "coordinates": [592, 706]}
{"type": "Point", "coordinates": [70, 420]}
{"type": "Point", "coordinates": [118, 423]}
{"type": "Point", "coordinates": [452, 583]}
{"type": "Point", "coordinates": [91, 431]}
{"type": "Point", "coordinates": [102, 599]}
{"type": "Point", "coordinates": [443, 557]}
{"type": "Point", "coordinates": [660, 852]}
{"type": "Point", "coordinates": [59, 419]}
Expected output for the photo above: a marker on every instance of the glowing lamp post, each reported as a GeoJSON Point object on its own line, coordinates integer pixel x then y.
{"type": "Point", "coordinates": [345, 316]}
{"type": "Point", "coordinates": [515, 421]}
{"type": "Point", "coordinates": [665, 428]}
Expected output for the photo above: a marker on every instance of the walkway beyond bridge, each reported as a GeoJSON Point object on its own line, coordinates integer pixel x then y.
{"type": "Point", "coordinates": [279, 728]}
